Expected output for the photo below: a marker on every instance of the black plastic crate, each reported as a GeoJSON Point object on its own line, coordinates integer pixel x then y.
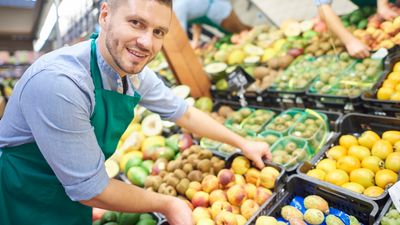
{"type": "Point", "coordinates": [355, 124]}
{"type": "Point", "coordinates": [337, 103]}
{"type": "Point", "coordinates": [287, 99]}
{"type": "Point", "coordinates": [363, 209]}
{"type": "Point", "coordinates": [387, 107]}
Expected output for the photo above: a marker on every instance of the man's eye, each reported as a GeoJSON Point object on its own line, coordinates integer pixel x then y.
{"type": "Point", "coordinates": [159, 33]}
{"type": "Point", "coordinates": [135, 23]}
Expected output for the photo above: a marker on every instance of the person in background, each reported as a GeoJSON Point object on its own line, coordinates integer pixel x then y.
{"type": "Point", "coordinates": [216, 13]}
{"type": "Point", "coordinates": [354, 46]}
{"type": "Point", "coordinates": [69, 110]}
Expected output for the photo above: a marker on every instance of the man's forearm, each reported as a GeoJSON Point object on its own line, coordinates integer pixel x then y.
{"type": "Point", "coordinates": [203, 125]}
{"type": "Point", "coordinates": [122, 197]}
{"type": "Point", "coordinates": [334, 23]}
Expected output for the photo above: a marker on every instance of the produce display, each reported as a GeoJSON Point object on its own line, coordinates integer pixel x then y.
{"type": "Point", "coordinates": [392, 217]}
{"type": "Point", "coordinates": [311, 209]}
{"type": "Point", "coordinates": [367, 164]}
{"type": "Point", "coordinates": [390, 89]}
{"type": "Point", "coordinates": [8, 86]}
{"type": "Point", "coordinates": [102, 217]}
{"type": "Point", "coordinates": [358, 18]}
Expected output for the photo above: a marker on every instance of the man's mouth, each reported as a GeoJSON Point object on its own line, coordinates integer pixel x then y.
{"type": "Point", "coordinates": [137, 53]}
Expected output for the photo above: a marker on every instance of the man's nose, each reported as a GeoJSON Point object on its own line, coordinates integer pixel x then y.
{"type": "Point", "coordinates": [145, 40]}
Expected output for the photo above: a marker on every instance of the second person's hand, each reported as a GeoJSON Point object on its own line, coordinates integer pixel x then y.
{"type": "Point", "coordinates": [357, 49]}
{"type": "Point", "coordinates": [178, 212]}
{"type": "Point", "coordinates": [256, 152]}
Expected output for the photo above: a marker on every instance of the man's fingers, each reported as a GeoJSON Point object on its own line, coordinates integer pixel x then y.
{"type": "Point", "coordinates": [259, 163]}
{"type": "Point", "coordinates": [267, 154]}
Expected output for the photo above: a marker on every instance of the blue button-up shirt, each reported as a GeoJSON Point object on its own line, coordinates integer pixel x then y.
{"type": "Point", "coordinates": [52, 105]}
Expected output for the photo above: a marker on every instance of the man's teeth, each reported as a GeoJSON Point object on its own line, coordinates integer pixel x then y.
{"type": "Point", "coordinates": [137, 53]}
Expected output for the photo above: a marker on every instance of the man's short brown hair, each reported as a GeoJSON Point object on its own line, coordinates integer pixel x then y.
{"type": "Point", "coordinates": [114, 4]}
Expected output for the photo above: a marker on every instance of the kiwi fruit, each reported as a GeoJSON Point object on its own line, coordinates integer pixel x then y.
{"type": "Point", "coordinates": [187, 168]}
{"type": "Point", "coordinates": [214, 159]}
{"type": "Point", "coordinates": [168, 190]}
{"type": "Point", "coordinates": [163, 173]}
{"type": "Point", "coordinates": [204, 165]}
{"type": "Point", "coordinates": [183, 186]}
{"type": "Point", "coordinates": [195, 175]}
{"type": "Point", "coordinates": [153, 181]}
{"type": "Point", "coordinates": [218, 166]}
{"type": "Point", "coordinates": [180, 174]}
{"type": "Point", "coordinates": [172, 166]}
{"type": "Point", "coordinates": [205, 154]}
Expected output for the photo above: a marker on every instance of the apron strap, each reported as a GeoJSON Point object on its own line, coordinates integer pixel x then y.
{"type": "Point", "coordinates": [94, 69]}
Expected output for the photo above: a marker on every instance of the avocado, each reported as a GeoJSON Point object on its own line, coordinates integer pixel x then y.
{"type": "Point", "coordinates": [147, 222]}
{"type": "Point", "coordinates": [362, 24]}
{"type": "Point", "coordinates": [128, 218]}
{"type": "Point", "coordinates": [97, 222]}
{"type": "Point", "coordinates": [111, 223]}
{"type": "Point", "coordinates": [109, 217]}
{"type": "Point", "coordinates": [146, 216]}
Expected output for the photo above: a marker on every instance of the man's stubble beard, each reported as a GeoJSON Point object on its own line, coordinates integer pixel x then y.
{"type": "Point", "coordinates": [117, 60]}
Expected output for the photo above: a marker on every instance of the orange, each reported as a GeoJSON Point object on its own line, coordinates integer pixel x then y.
{"type": "Point", "coordinates": [392, 162]}
{"type": "Point", "coordinates": [337, 177]}
{"type": "Point", "coordinates": [363, 176]}
{"type": "Point", "coordinates": [317, 173]}
{"type": "Point", "coordinates": [373, 163]}
{"type": "Point", "coordinates": [395, 96]}
{"type": "Point", "coordinates": [368, 139]}
{"type": "Point", "coordinates": [348, 163]}
{"type": "Point", "coordinates": [389, 84]}
{"type": "Point", "coordinates": [392, 136]}
{"type": "Point", "coordinates": [336, 152]}
{"type": "Point", "coordinates": [358, 151]}
{"type": "Point", "coordinates": [347, 141]}
{"type": "Point", "coordinates": [396, 67]}
{"type": "Point", "coordinates": [373, 191]}
{"type": "Point", "coordinates": [327, 165]}
{"type": "Point", "coordinates": [382, 149]}
{"type": "Point", "coordinates": [384, 93]}
{"type": "Point", "coordinates": [385, 178]}
{"type": "Point", "coordinates": [394, 76]}
{"type": "Point", "coordinates": [354, 187]}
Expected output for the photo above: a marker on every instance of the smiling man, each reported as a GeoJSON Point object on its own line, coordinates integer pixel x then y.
{"type": "Point", "coordinates": [70, 108]}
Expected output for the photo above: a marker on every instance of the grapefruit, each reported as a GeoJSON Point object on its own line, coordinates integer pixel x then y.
{"type": "Point", "coordinates": [362, 176]}
{"type": "Point", "coordinates": [392, 162]}
{"type": "Point", "coordinates": [337, 177]}
{"type": "Point", "coordinates": [392, 136]}
{"type": "Point", "coordinates": [347, 141]}
{"type": "Point", "coordinates": [373, 163]}
{"type": "Point", "coordinates": [382, 149]}
{"type": "Point", "coordinates": [317, 173]}
{"type": "Point", "coordinates": [348, 163]}
{"type": "Point", "coordinates": [327, 165]}
{"type": "Point", "coordinates": [385, 178]}
{"type": "Point", "coordinates": [336, 152]}
{"type": "Point", "coordinates": [356, 187]}
{"type": "Point", "coordinates": [368, 138]}
{"type": "Point", "coordinates": [373, 191]}
{"type": "Point", "coordinates": [396, 146]}
{"type": "Point", "coordinates": [360, 152]}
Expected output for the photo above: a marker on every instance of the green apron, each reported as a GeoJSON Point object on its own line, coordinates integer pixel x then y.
{"type": "Point", "coordinates": [30, 193]}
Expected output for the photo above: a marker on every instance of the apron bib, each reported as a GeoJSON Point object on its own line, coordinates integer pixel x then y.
{"type": "Point", "coordinates": [30, 193]}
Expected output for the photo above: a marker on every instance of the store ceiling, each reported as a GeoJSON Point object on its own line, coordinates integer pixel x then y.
{"type": "Point", "coordinates": [18, 23]}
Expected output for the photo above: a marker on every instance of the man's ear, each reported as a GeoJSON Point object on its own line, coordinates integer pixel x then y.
{"type": "Point", "coordinates": [104, 15]}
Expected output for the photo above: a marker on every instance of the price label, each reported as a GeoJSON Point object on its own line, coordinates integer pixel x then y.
{"type": "Point", "coordinates": [394, 193]}
{"type": "Point", "coordinates": [239, 79]}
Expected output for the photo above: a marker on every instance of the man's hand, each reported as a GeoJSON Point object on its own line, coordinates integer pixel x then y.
{"type": "Point", "coordinates": [178, 212]}
{"type": "Point", "coordinates": [256, 152]}
{"type": "Point", "coordinates": [357, 49]}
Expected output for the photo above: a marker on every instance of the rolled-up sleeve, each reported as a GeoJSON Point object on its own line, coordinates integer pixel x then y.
{"type": "Point", "coordinates": [322, 2]}
{"type": "Point", "coordinates": [158, 98]}
{"type": "Point", "coordinates": [58, 110]}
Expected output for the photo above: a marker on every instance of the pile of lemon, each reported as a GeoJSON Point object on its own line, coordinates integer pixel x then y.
{"type": "Point", "coordinates": [390, 89]}
{"type": "Point", "coordinates": [368, 164]}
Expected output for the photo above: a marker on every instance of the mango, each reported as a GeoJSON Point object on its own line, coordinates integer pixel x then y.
{"type": "Point", "coordinates": [290, 212]}
{"type": "Point", "coordinates": [333, 220]}
{"type": "Point", "coordinates": [316, 202]}
{"type": "Point", "coordinates": [297, 221]}
{"type": "Point", "coordinates": [314, 216]}
{"type": "Point", "coordinates": [354, 221]}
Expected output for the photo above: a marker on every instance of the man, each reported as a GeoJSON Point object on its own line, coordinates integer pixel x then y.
{"type": "Point", "coordinates": [354, 46]}
{"type": "Point", "coordinates": [216, 13]}
{"type": "Point", "coordinates": [67, 113]}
